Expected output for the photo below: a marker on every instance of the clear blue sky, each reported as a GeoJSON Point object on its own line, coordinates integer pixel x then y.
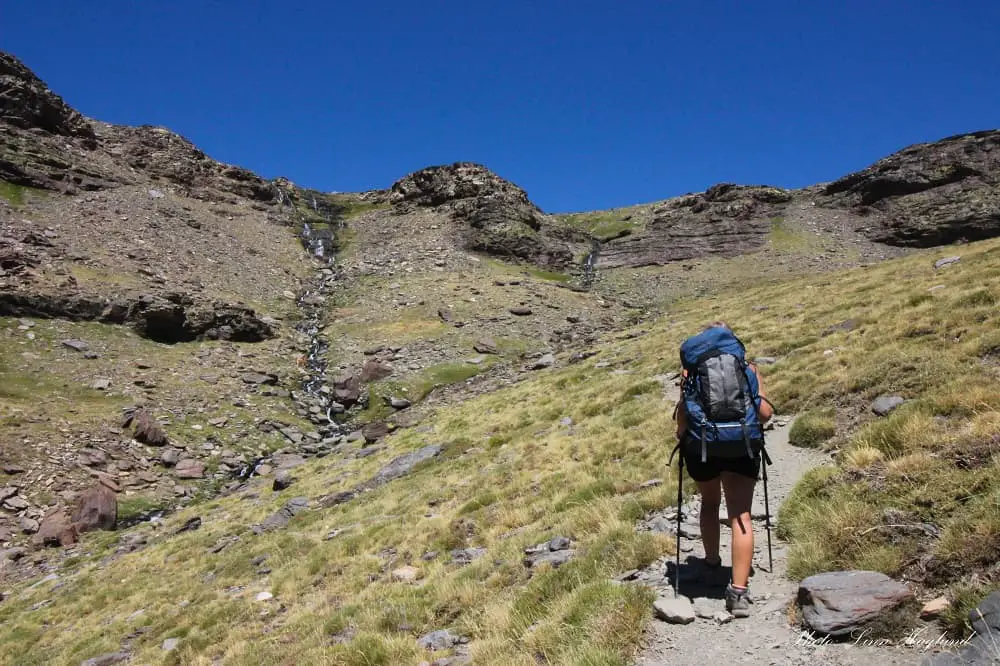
{"type": "Point", "coordinates": [584, 104]}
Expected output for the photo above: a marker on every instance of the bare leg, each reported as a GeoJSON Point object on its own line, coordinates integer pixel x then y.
{"type": "Point", "coordinates": [711, 498]}
{"type": "Point", "coordinates": [739, 498]}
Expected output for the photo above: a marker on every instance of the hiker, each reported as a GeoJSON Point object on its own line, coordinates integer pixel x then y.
{"type": "Point", "coordinates": [721, 460]}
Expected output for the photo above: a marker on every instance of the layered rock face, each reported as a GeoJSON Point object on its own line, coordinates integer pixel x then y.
{"type": "Point", "coordinates": [497, 216]}
{"type": "Point", "coordinates": [47, 144]}
{"type": "Point", "coordinates": [928, 194]}
{"type": "Point", "coordinates": [26, 102]}
{"type": "Point", "coordinates": [725, 220]}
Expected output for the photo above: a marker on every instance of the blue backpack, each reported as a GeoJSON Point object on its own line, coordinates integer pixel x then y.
{"type": "Point", "coordinates": [720, 396]}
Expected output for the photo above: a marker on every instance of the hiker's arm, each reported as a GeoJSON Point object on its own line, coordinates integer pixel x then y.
{"type": "Point", "coordinates": [764, 411]}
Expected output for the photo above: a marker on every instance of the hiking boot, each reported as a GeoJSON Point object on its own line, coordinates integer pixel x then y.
{"type": "Point", "coordinates": [738, 601]}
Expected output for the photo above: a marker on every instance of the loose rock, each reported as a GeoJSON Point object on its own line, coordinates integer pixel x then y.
{"type": "Point", "coordinates": [840, 602]}
{"type": "Point", "coordinates": [886, 403]}
{"type": "Point", "coordinates": [674, 611]}
{"type": "Point", "coordinates": [190, 469]}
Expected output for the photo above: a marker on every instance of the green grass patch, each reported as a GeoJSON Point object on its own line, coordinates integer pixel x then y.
{"type": "Point", "coordinates": [14, 194]}
{"type": "Point", "coordinates": [812, 428]}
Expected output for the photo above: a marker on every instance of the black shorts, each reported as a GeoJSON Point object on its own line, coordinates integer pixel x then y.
{"type": "Point", "coordinates": [712, 467]}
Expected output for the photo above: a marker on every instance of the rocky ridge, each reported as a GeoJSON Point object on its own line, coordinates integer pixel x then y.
{"type": "Point", "coordinates": [497, 217]}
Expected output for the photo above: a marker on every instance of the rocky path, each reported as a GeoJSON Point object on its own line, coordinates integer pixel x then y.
{"type": "Point", "coordinates": [766, 637]}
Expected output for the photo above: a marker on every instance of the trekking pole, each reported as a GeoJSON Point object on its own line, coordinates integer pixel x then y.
{"type": "Point", "coordinates": [767, 510]}
{"type": "Point", "coordinates": [677, 569]}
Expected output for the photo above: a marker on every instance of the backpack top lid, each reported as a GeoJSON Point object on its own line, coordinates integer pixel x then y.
{"type": "Point", "coordinates": [711, 339]}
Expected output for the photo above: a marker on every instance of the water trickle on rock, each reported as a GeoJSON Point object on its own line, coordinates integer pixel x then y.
{"type": "Point", "coordinates": [319, 240]}
{"type": "Point", "coordinates": [590, 265]}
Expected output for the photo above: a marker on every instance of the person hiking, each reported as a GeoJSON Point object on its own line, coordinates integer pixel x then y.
{"type": "Point", "coordinates": [716, 377]}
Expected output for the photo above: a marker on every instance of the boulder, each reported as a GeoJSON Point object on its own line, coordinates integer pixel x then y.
{"type": "Point", "coordinates": [373, 370]}
{"type": "Point", "coordinates": [397, 403]}
{"type": "Point", "coordinates": [485, 345]}
{"type": "Point", "coordinates": [838, 603]}
{"type": "Point", "coordinates": [373, 432]}
{"type": "Point", "coordinates": [346, 389]}
{"type": "Point", "coordinates": [170, 456]}
{"type": "Point", "coordinates": [283, 479]}
{"type": "Point", "coordinates": [546, 361]}
{"type": "Point", "coordinates": [97, 510]}
{"type": "Point", "coordinates": [190, 469]}
{"type": "Point", "coordinates": [76, 345]}
{"type": "Point", "coordinates": [886, 403]}
{"type": "Point", "coordinates": [403, 465]}
{"type": "Point", "coordinates": [92, 457]}
{"type": "Point", "coordinates": [280, 518]}
{"type": "Point", "coordinates": [442, 639]}
{"type": "Point", "coordinates": [260, 378]}
{"type": "Point", "coordinates": [148, 431]}
{"type": "Point", "coordinates": [981, 647]}
{"type": "Point", "coordinates": [56, 529]}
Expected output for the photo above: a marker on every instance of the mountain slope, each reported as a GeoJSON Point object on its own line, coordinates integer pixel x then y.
{"type": "Point", "coordinates": [368, 568]}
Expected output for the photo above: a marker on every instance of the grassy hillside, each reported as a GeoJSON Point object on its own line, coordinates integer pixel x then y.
{"type": "Point", "coordinates": [565, 454]}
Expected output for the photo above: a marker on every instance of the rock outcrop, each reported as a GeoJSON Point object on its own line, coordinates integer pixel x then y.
{"type": "Point", "coordinates": [170, 318]}
{"type": "Point", "coordinates": [726, 220]}
{"type": "Point", "coordinates": [499, 218]}
{"type": "Point", "coordinates": [26, 102]}
{"type": "Point", "coordinates": [928, 194]}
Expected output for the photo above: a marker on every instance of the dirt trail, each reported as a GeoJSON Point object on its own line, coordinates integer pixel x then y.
{"type": "Point", "coordinates": [766, 636]}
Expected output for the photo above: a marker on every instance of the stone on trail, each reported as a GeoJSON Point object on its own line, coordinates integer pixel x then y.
{"type": "Point", "coordinates": [674, 611]}
{"type": "Point", "coordinates": [934, 608]}
{"type": "Point", "coordinates": [886, 403]}
{"type": "Point", "coordinates": [704, 607]}
{"type": "Point", "coordinates": [170, 644]}
{"type": "Point", "coordinates": [520, 311]}
{"type": "Point", "coordinates": [722, 617]}
{"type": "Point", "coordinates": [837, 603]}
